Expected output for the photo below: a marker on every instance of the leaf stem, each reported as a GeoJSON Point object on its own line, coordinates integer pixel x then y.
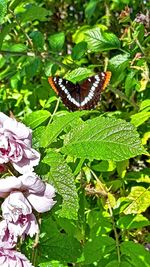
{"type": "Point", "coordinates": [55, 110]}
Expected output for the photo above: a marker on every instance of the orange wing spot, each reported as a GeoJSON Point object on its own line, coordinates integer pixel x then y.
{"type": "Point", "coordinates": [50, 80]}
{"type": "Point", "coordinates": [107, 79]}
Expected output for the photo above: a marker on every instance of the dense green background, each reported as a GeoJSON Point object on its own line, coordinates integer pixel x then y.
{"type": "Point", "coordinates": [97, 160]}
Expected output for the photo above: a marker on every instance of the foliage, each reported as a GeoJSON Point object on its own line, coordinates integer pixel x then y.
{"type": "Point", "coordinates": [97, 160]}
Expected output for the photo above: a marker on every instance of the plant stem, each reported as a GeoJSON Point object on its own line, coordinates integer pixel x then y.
{"type": "Point", "coordinates": [115, 231]}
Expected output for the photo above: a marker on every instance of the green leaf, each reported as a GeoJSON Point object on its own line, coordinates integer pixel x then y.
{"type": "Point", "coordinates": [132, 221]}
{"type": "Point", "coordinates": [117, 264]}
{"type": "Point", "coordinates": [3, 9]}
{"type": "Point", "coordinates": [104, 166]}
{"type": "Point", "coordinates": [97, 248]}
{"type": "Point", "coordinates": [136, 254]}
{"type": "Point", "coordinates": [103, 138]}
{"type": "Point", "coordinates": [37, 39]}
{"type": "Point", "coordinates": [58, 125]}
{"type": "Point", "coordinates": [78, 74]}
{"type": "Point", "coordinates": [101, 41]}
{"type": "Point", "coordinates": [34, 13]}
{"type": "Point", "coordinates": [79, 50]}
{"type": "Point", "coordinates": [52, 264]}
{"type": "Point", "coordinates": [139, 118]}
{"type": "Point", "coordinates": [117, 65]}
{"type": "Point", "coordinates": [56, 245]}
{"type": "Point", "coordinates": [34, 119]}
{"type": "Point", "coordinates": [145, 105]}
{"type": "Point", "coordinates": [90, 9]}
{"type": "Point", "coordinates": [4, 31]}
{"type": "Point", "coordinates": [56, 41]}
{"type": "Point", "coordinates": [63, 180]}
{"type": "Point", "coordinates": [17, 48]}
{"type": "Point", "coordinates": [140, 200]}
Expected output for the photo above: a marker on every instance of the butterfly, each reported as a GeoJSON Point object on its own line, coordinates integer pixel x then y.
{"type": "Point", "coordinates": [80, 96]}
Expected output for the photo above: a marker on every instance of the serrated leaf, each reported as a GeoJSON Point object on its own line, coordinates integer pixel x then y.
{"type": "Point", "coordinates": [35, 13]}
{"type": "Point", "coordinates": [56, 41]}
{"type": "Point", "coordinates": [140, 200]}
{"type": "Point", "coordinates": [139, 118]}
{"type": "Point", "coordinates": [62, 178]}
{"type": "Point", "coordinates": [57, 245]}
{"type": "Point", "coordinates": [132, 221]}
{"type": "Point", "coordinates": [78, 74]}
{"type": "Point", "coordinates": [103, 138]}
{"type": "Point", "coordinates": [57, 126]}
{"type": "Point", "coordinates": [35, 118]}
{"type": "Point", "coordinates": [3, 10]}
{"type": "Point", "coordinates": [136, 254]}
{"type": "Point", "coordinates": [96, 248]}
{"type": "Point", "coordinates": [101, 41]}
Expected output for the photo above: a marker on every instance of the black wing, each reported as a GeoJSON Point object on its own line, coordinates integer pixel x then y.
{"type": "Point", "coordinates": [83, 96]}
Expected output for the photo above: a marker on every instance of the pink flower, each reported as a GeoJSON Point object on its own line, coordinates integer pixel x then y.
{"type": "Point", "coordinates": [39, 194]}
{"type": "Point", "coordinates": [13, 258]}
{"type": "Point", "coordinates": [15, 145]}
{"type": "Point", "coordinates": [7, 239]}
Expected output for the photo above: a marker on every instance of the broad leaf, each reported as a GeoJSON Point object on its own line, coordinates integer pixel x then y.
{"type": "Point", "coordinates": [34, 119]}
{"type": "Point", "coordinates": [140, 200]}
{"type": "Point", "coordinates": [103, 138]}
{"type": "Point", "coordinates": [57, 245]}
{"type": "Point", "coordinates": [79, 50]}
{"type": "Point", "coordinates": [62, 178]}
{"type": "Point", "coordinates": [78, 74]}
{"type": "Point", "coordinates": [3, 10]}
{"type": "Point", "coordinates": [96, 248]}
{"type": "Point", "coordinates": [136, 254]}
{"type": "Point", "coordinates": [139, 118]}
{"type": "Point", "coordinates": [34, 13]}
{"type": "Point", "coordinates": [132, 221]}
{"type": "Point", "coordinates": [101, 41]}
{"type": "Point", "coordinates": [56, 41]}
{"type": "Point", "coordinates": [57, 126]}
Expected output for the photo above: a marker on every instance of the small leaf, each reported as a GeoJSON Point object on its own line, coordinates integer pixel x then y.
{"type": "Point", "coordinates": [17, 48]}
{"type": "Point", "coordinates": [78, 74]}
{"type": "Point", "coordinates": [118, 264]}
{"type": "Point", "coordinates": [101, 41]}
{"type": "Point", "coordinates": [79, 50]}
{"type": "Point", "coordinates": [56, 41]}
{"type": "Point", "coordinates": [145, 105]}
{"type": "Point", "coordinates": [62, 178]}
{"type": "Point", "coordinates": [4, 31]}
{"type": "Point", "coordinates": [3, 9]}
{"type": "Point", "coordinates": [103, 138]}
{"type": "Point", "coordinates": [140, 199]}
{"type": "Point", "coordinates": [34, 119]}
{"type": "Point", "coordinates": [132, 221]}
{"type": "Point", "coordinates": [37, 39]}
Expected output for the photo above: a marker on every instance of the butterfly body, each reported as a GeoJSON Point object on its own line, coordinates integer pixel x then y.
{"type": "Point", "coordinates": [80, 96]}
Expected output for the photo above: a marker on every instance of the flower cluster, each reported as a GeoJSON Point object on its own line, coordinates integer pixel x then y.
{"type": "Point", "coordinates": [21, 194]}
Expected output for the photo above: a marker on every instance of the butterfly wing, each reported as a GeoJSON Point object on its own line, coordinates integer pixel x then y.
{"type": "Point", "coordinates": [83, 96]}
{"type": "Point", "coordinates": [67, 91]}
{"type": "Point", "coordinates": [91, 89]}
